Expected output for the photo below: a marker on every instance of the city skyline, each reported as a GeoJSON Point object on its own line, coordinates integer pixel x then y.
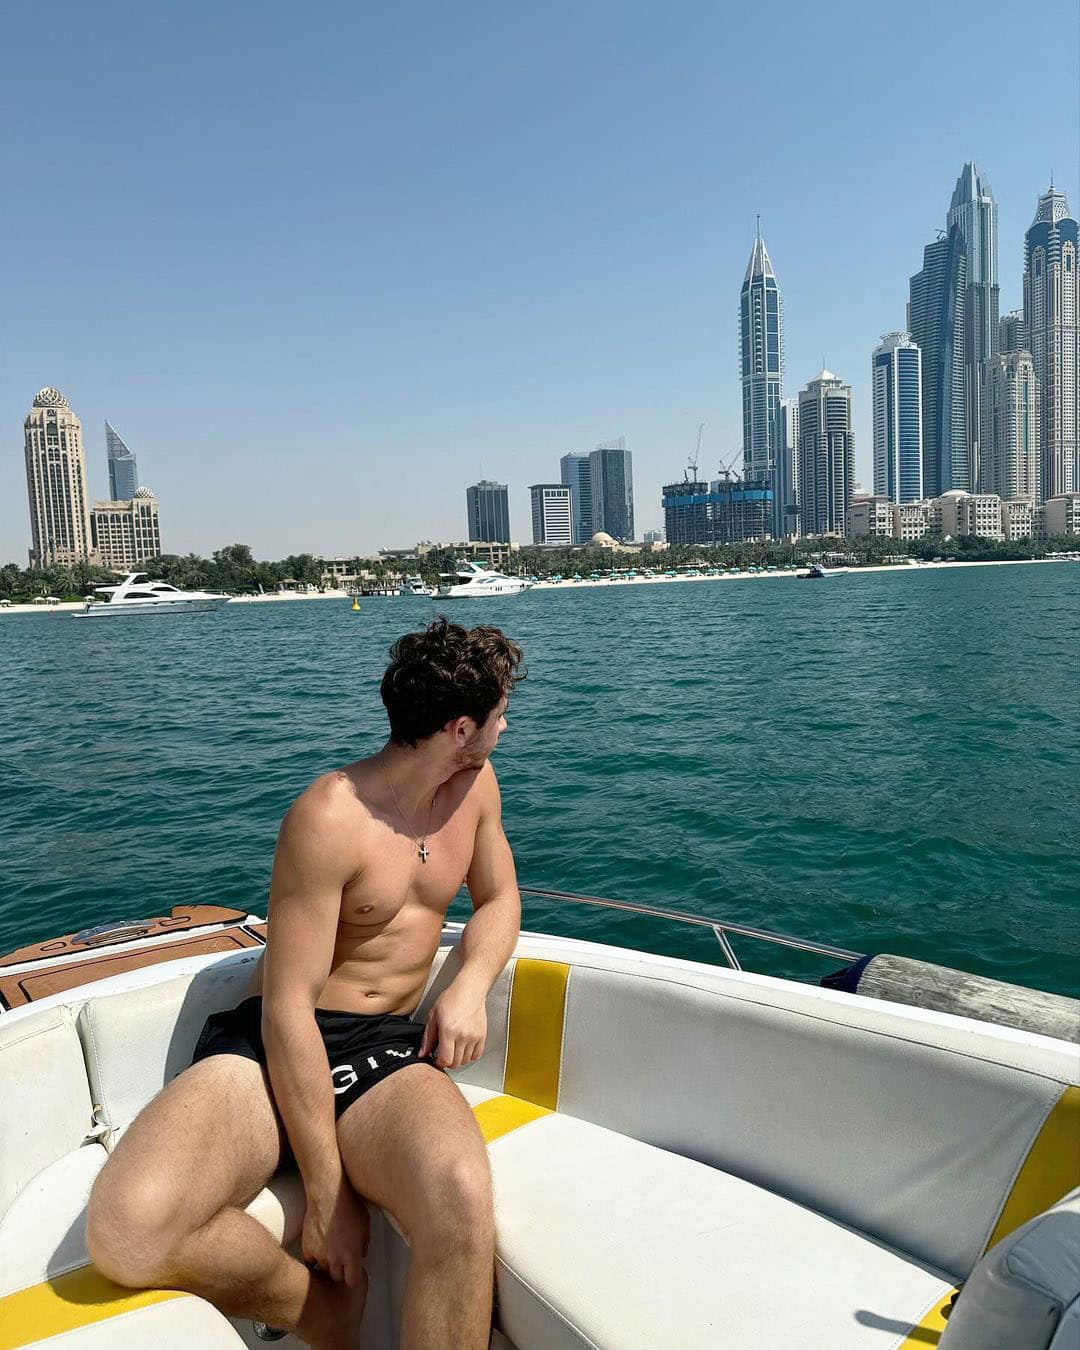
{"type": "Point", "coordinates": [451, 297]}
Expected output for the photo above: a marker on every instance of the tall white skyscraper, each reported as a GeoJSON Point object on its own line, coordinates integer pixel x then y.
{"type": "Point", "coordinates": [762, 369]}
{"type": "Point", "coordinates": [826, 455]}
{"type": "Point", "coordinates": [788, 478]}
{"type": "Point", "coordinates": [56, 483]}
{"type": "Point", "coordinates": [551, 514]}
{"type": "Point", "coordinates": [1011, 465]}
{"type": "Point", "coordinates": [1051, 314]}
{"type": "Point", "coordinates": [974, 211]}
{"type": "Point", "coordinates": [896, 376]}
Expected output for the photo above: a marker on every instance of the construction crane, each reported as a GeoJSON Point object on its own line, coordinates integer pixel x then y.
{"type": "Point", "coordinates": [691, 471]}
{"type": "Point", "coordinates": [726, 470]}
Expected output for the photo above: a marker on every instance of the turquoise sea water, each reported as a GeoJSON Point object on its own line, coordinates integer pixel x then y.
{"type": "Point", "coordinates": [887, 762]}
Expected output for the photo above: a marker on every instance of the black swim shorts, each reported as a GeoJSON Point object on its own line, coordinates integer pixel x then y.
{"type": "Point", "coordinates": [363, 1048]}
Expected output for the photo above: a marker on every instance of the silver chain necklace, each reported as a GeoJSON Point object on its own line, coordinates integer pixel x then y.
{"type": "Point", "coordinates": [422, 851]}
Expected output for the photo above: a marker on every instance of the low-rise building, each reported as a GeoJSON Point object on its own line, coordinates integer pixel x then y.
{"type": "Point", "coordinates": [1063, 514]}
{"type": "Point", "coordinates": [126, 533]}
{"type": "Point", "coordinates": [871, 515]}
{"type": "Point", "coordinates": [911, 520]}
{"type": "Point", "coordinates": [1018, 519]}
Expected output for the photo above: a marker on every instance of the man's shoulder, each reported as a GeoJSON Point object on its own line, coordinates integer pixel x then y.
{"type": "Point", "coordinates": [333, 798]}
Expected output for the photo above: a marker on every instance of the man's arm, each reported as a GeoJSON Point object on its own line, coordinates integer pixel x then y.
{"type": "Point", "coordinates": [457, 1024]}
{"type": "Point", "coordinates": [310, 869]}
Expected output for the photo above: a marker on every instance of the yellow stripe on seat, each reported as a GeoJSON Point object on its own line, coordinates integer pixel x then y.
{"type": "Point", "coordinates": [1051, 1168]}
{"type": "Point", "coordinates": [534, 1039]}
{"type": "Point", "coordinates": [67, 1302]}
{"type": "Point", "coordinates": [499, 1115]}
{"type": "Point", "coordinates": [930, 1327]}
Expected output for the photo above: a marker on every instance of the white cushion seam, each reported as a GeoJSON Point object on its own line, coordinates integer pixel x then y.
{"type": "Point", "coordinates": [15, 1039]}
{"type": "Point", "coordinates": [843, 1026]}
{"type": "Point", "coordinates": [562, 1038]}
{"type": "Point", "coordinates": [574, 1331]}
{"type": "Point", "coordinates": [1025, 1153]}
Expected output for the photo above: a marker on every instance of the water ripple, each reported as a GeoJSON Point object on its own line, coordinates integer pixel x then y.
{"type": "Point", "coordinates": [887, 762]}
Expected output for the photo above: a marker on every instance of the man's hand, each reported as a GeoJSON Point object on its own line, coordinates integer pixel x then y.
{"type": "Point", "coordinates": [336, 1231]}
{"type": "Point", "coordinates": [456, 1028]}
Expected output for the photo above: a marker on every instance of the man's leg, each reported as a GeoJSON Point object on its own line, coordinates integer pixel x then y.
{"type": "Point", "coordinates": [167, 1208]}
{"type": "Point", "coordinates": [412, 1145]}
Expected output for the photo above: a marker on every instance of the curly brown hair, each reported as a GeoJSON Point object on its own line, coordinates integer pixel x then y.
{"type": "Point", "coordinates": [445, 672]}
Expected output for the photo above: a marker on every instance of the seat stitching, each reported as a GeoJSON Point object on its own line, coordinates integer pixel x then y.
{"type": "Point", "coordinates": [901, 1339]}
{"type": "Point", "coordinates": [574, 1331]}
{"type": "Point", "coordinates": [33, 1031]}
{"type": "Point", "coordinates": [562, 1038]}
{"type": "Point", "coordinates": [1025, 1151]}
{"type": "Point", "coordinates": [831, 1021]}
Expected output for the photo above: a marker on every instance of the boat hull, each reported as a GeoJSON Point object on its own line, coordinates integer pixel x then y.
{"type": "Point", "coordinates": [151, 607]}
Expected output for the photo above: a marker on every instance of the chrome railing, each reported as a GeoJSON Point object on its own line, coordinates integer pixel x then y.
{"type": "Point", "coordinates": [720, 927]}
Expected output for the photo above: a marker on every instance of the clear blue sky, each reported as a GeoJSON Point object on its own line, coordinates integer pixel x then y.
{"type": "Point", "coordinates": [322, 264]}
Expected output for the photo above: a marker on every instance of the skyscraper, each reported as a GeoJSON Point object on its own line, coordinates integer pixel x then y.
{"type": "Point", "coordinates": [787, 484]}
{"type": "Point", "coordinates": [611, 478]}
{"type": "Point", "coordinates": [974, 212]}
{"type": "Point", "coordinates": [762, 365]}
{"type": "Point", "coordinates": [488, 507]}
{"type": "Point", "coordinates": [936, 324]}
{"type": "Point", "coordinates": [551, 513]}
{"type": "Point", "coordinates": [123, 471]}
{"type": "Point", "coordinates": [1051, 305]}
{"type": "Point", "coordinates": [56, 483]}
{"type": "Point", "coordinates": [1012, 333]}
{"type": "Point", "coordinates": [1011, 467]}
{"type": "Point", "coordinates": [826, 455]}
{"type": "Point", "coordinates": [577, 476]}
{"type": "Point", "coordinates": [896, 376]}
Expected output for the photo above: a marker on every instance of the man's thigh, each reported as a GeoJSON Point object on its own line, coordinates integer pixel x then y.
{"type": "Point", "coordinates": [405, 1137]}
{"type": "Point", "coordinates": [210, 1138]}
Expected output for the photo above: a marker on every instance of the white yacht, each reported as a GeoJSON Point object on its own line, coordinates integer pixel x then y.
{"type": "Point", "coordinates": [470, 579]}
{"type": "Point", "coordinates": [415, 586]}
{"type": "Point", "coordinates": [137, 594]}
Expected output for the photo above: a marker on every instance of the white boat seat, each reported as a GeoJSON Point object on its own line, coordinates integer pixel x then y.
{"type": "Point", "coordinates": [587, 1220]}
{"type": "Point", "coordinates": [73, 1317]}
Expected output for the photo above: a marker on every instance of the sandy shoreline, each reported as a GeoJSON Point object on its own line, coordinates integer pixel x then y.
{"type": "Point", "coordinates": [789, 575]}
{"type": "Point", "coordinates": [69, 607]}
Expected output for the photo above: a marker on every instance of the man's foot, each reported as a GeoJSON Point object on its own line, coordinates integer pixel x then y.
{"type": "Point", "coordinates": [334, 1320]}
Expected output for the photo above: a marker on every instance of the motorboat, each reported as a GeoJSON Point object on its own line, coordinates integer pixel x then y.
{"type": "Point", "coordinates": [470, 579]}
{"type": "Point", "coordinates": [817, 572]}
{"type": "Point", "coordinates": [415, 586]}
{"type": "Point", "coordinates": [137, 594]}
{"type": "Point", "coordinates": [683, 1153]}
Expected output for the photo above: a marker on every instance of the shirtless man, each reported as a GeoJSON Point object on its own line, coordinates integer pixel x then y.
{"type": "Point", "coordinates": [368, 860]}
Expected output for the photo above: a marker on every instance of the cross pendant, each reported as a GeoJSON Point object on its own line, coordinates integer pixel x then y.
{"type": "Point", "coordinates": [423, 851]}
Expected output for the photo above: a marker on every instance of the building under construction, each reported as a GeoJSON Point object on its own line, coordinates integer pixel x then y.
{"type": "Point", "coordinates": [725, 511]}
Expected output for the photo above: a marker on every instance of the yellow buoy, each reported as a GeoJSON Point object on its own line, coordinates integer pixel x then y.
{"type": "Point", "coordinates": [355, 604]}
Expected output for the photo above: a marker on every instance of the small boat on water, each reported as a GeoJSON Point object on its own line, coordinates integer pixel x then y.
{"type": "Point", "coordinates": [817, 571]}
{"type": "Point", "coordinates": [470, 581]}
{"type": "Point", "coordinates": [415, 586]}
{"type": "Point", "coordinates": [135, 596]}
{"type": "Point", "coordinates": [683, 1154]}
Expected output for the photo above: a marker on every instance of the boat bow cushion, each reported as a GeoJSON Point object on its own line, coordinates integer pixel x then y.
{"type": "Point", "coordinates": [139, 1039]}
{"type": "Point", "coordinates": [45, 1109]}
{"type": "Point", "coordinates": [176, 1321]}
{"type": "Point", "coordinates": [1020, 1293]}
{"type": "Point", "coordinates": [43, 1234]}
